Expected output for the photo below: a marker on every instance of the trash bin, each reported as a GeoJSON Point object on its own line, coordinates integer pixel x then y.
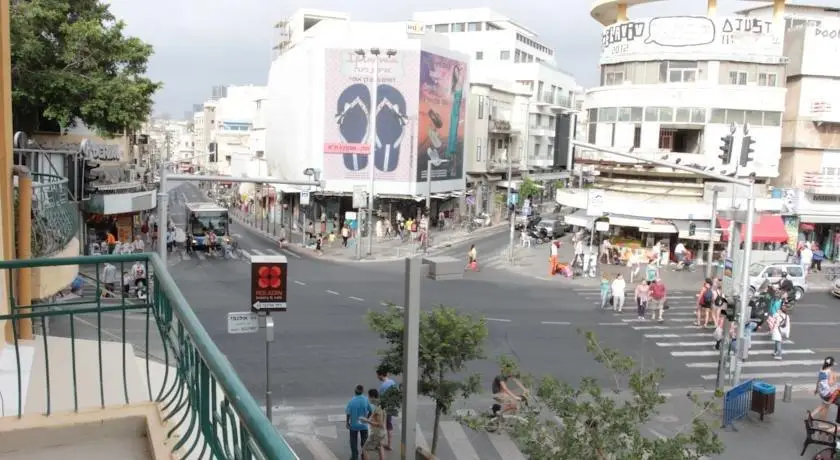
{"type": "Point", "coordinates": [763, 399]}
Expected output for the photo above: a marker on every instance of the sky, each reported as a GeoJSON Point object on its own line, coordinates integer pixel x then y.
{"type": "Point", "coordinates": [202, 43]}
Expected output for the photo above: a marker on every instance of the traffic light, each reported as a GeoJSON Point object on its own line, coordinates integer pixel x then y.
{"type": "Point", "coordinates": [90, 176]}
{"type": "Point", "coordinates": [746, 150]}
{"type": "Point", "coordinates": [692, 229]}
{"type": "Point", "coordinates": [726, 145]}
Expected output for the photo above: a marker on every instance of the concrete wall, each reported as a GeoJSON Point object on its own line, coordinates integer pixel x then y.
{"type": "Point", "coordinates": [47, 281]}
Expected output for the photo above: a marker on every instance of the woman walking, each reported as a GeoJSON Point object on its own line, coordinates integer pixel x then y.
{"type": "Point", "coordinates": [642, 295]}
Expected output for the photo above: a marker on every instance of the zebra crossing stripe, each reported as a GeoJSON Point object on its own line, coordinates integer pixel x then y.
{"type": "Point", "coordinates": [659, 328]}
{"type": "Point", "coordinates": [458, 440]}
{"type": "Point", "coordinates": [712, 342]}
{"type": "Point", "coordinates": [779, 375]}
{"type": "Point", "coordinates": [715, 353]}
{"type": "Point", "coordinates": [774, 363]}
{"type": "Point", "coordinates": [257, 252]}
{"type": "Point", "coordinates": [675, 320]}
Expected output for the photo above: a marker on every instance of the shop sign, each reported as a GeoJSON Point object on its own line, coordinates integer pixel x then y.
{"type": "Point", "coordinates": [268, 283]}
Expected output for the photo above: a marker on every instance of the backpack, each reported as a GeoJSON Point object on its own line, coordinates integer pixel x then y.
{"type": "Point", "coordinates": [657, 291]}
{"type": "Point", "coordinates": [707, 297]}
{"type": "Point", "coordinates": [784, 322]}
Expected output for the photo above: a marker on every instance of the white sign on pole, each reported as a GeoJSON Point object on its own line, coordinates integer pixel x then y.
{"type": "Point", "coordinates": [242, 322]}
{"type": "Point", "coordinates": [602, 226]}
{"type": "Point", "coordinates": [595, 203]}
{"type": "Point", "coordinates": [304, 197]}
{"type": "Point", "coordinates": [359, 196]}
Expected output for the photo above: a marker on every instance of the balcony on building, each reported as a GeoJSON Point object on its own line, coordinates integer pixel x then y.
{"type": "Point", "coordinates": [819, 183]}
{"type": "Point", "coordinates": [153, 387]}
{"type": "Point", "coordinates": [122, 189]}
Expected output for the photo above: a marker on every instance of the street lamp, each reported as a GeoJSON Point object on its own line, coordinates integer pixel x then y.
{"type": "Point", "coordinates": [376, 53]}
{"type": "Point", "coordinates": [314, 174]}
{"type": "Point", "coordinates": [429, 202]}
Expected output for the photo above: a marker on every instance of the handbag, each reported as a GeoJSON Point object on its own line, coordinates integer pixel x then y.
{"type": "Point", "coordinates": [666, 306]}
{"type": "Point", "coordinates": [612, 300]}
{"type": "Point", "coordinates": [718, 334]}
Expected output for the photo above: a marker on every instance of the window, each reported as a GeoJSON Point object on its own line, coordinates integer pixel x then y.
{"type": "Point", "coordinates": [767, 79]}
{"type": "Point", "coordinates": [737, 78]}
{"type": "Point", "coordinates": [624, 114]}
{"type": "Point", "coordinates": [690, 115]}
{"type": "Point", "coordinates": [636, 113]}
{"type": "Point", "coordinates": [661, 114]}
{"type": "Point", "coordinates": [754, 117]}
{"type": "Point", "coordinates": [441, 28]}
{"type": "Point", "coordinates": [504, 55]}
{"type": "Point", "coordinates": [677, 71]}
{"type": "Point", "coordinates": [480, 107]}
{"type": "Point", "coordinates": [698, 115]}
{"type": "Point", "coordinates": [550, 150]}
{"type": "Point", "coordinates": [735, 116]}
{"type": "Point", "coordinates": [666, 138]}
{"type": "Point", "coordinates": [683, 115]}
{"type": "Point", "coordinates": [517, 56]}
{"type": "Point", "coordinates": [607, 114]}
{"type": "Point", "coordinates": [593, 130]}
{"type": "Point", "coordinates": [473, 26]}
{"type": "Point", "coordinates": [637, 137]}
{"type": "Point", "coordinates": [614, 78]}
{"type": "Point", "coordinates": [477, 148]}
{"type": "Point", "coordinates": [772, 119]}
{"type": "Point", "coordinates": [458, 27]}
{"type": "Point", "coordinates": [479, 55]}
{"type": "Point", "coordinates": [718, 116]}
{"type": "Point", "coordinates": [592, 115]}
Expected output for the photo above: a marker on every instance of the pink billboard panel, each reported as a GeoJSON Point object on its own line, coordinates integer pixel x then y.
{"type": "Point", "coordinates": [352, 102]}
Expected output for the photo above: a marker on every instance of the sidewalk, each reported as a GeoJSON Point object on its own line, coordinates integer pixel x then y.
{"type": "Point", "coordinates": [383, 248]}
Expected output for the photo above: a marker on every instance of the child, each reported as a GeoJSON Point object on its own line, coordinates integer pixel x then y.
{"type": "Point", "coordinates": [826, 388]}
{"type": "Point", "coordinates": [779, 331]}
{"type": "Point", "coordinates": [318, 243]}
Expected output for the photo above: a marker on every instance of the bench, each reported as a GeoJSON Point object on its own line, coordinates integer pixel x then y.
{"type": "Point", "coordinates": [819, 432]}
{"type": "Point", "coordinates": [444, 268]}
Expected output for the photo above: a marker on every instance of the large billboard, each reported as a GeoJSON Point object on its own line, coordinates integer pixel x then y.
{"type": "Point", "coordinates": [700, 37]}
{"type": "Point", "coordinates": [349, 112]}
{"type": "Point", "coordinates": [443, 106]}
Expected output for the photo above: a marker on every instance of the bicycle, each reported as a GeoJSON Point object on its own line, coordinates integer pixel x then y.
{"type": "Point", "coordinates": [500, 421]}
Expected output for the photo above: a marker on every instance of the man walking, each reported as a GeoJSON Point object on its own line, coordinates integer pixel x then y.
{"type": "Point", "coordinates": [658, 295]}
{"type": "Point", "coordinates": [385, 384]}
{"type": "Point", "coordinates": [358, 407]}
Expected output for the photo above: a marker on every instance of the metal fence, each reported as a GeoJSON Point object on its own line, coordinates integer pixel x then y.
{"type": "Point", "coordinates": [209, 413]}
{"type": "Point", "coordinates": [54, 216]}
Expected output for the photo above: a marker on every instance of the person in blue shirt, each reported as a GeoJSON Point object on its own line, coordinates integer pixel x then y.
{"type": "Point", "coordinates": [385, 383]}
{"type": "Point", "coordinates": [358, 407]}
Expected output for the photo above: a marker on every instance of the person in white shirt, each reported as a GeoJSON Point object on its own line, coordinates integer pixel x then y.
{"type": "Point", "coordinates": [679, 252]}
{"type": "Point", "coordinates": [618, 287]}
{"type": "Point", "coordinates": [806, 257]}
{"type": "Point", "coordinates": [779, 331]}
{"type": "Point", "coordinates": [605, 251]}
{"type": "Point", "coordinates": [139, 245]}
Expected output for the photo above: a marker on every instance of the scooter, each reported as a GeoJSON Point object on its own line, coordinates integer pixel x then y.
{"type": "Point", "coordinates": [689, 265]}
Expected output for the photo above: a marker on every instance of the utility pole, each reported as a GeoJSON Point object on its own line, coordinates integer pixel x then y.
{"type": "Point", "coordinates": [712, 224]}
{"type": "Point", "coordinates": [163, 202]}
{"type": "Point", "coordinates": [510, 206]}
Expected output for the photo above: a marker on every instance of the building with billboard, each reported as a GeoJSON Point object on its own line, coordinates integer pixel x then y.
{"type": "Point", "coordinates": [671, 88]}
{"type": "Point", "coordinates": [321, 110]}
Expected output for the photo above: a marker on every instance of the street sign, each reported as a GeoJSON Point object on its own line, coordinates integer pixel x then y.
{"type": "Point", "coordinates": [304, 197]}
{"type": "Point", "coordinates": [602, 226]}
{"type": "Point", "coordinates": [242, 322]}
{"type": "Point", "coordinates": [595, 203]}
{"type": "Point", "coordinates": [359, 196]}
{"type": "Point", "coordinates": [728, 280]}
{"type": "Point", "coordinates": [269, 275]}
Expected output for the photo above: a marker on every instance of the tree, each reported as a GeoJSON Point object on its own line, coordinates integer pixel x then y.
{"type": "Point", "coordinates": [448, 341]}
{"type": "Point", "coordinates": [590, 422]}
{"type": "Point", "coordinates": [71, 61]}
{"type": "Point", "coordinates": [529, 189]}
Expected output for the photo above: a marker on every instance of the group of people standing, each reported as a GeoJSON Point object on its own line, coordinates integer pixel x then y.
{"type": "Point", "coordinates": [370, 427]}
{"type": "Point", "coordinates": [650, 295]}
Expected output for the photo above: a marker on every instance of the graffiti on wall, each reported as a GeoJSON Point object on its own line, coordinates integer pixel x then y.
{"type": "Point", "coordinates": [701, 34]}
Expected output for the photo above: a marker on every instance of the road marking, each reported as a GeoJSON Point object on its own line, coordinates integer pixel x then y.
{"type": "Point", "coordinates": [458, 440]}
{"type": "Point", "coordinates": [613, 324]}
{"type": "Point", "coordinates": [658, 328]}
{"type": "Point", "coordinates": [505, 447]}
{"type": "Point", "coordinates": [711, 342]}
{"type": "Point", "coordinates": [332, 292]}
{"type": "Point", "coordinates": [499, 320]}
{"type": "Point", "coordinates": [777, 375]}
{"type": "Point", "coordinates": [420, 439]}
{"type": "Point", "coordinates": [257, 252]}
{"type": "Point", "coordinates": [817, 323]}
{"type": "Point", "coordinates": [315, 446]}
{"type": "Point", "coordinates": [676, 320]}
{"type": "Point", "coordinates": [676, 336]}
{"type": "Point", "coordinates": [272, 252]}
{"type": "Point", "coordinates": [289, 253]}
{"type": "Point", "coordinates": [699, 353]}
{"type": "Point", "coordinates": [774, 363]}
{"type": "Point", "coordinates": [357, 299]}
{"type": "Point", "coordinates": [555, 323]}
{"type": "Point", "coordinates": [300, 283]}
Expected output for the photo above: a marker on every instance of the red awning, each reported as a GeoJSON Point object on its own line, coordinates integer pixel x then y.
{"type": "Point", "coordinates": [768, 229]}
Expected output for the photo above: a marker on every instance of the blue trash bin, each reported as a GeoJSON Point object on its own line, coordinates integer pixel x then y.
{"type": "Point", "coordinates": [763, 398]}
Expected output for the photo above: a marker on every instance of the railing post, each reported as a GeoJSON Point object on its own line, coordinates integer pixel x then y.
{"type": "Point", "coordinates": [24, 251]}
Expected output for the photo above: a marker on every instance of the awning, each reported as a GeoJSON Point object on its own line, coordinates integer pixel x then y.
{"type": "Point", "coordinates": [579, 219]}
{"type": "Point", "coordinates": [514, 184]}
{"type": "Point", "coordinates": [768, 229]}
{"type": "Point", "coordinates": [819, 219]}
{"type": "Point", "coordinates": [701, 230]}
{"type": "Point", "coordinates": [643, 224]}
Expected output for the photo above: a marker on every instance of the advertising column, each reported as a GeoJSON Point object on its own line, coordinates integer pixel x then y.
{"type": "Point", "coordinates": [443, 106]}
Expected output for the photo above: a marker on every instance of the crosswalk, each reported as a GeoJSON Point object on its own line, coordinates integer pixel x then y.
{"type": "Point", "coordinates": [324, 437]}
{"type": "Point", "coordinates": [695, 346]}
{"type": "Point", "coordinates": [236, 255]}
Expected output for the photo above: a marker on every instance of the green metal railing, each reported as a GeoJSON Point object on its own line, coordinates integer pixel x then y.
{"type": "Point", "coordinates": [200, 396]}
{"type": "Point", "coordinates": [54, 216]}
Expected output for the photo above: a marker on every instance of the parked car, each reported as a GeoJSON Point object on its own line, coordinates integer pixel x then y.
{"type": "Point", "coordinates": [772, 273]}
{"type": "Point", "coordinates": [835, 291]}
{"type": "Point", "coordinates": [526, 222]}
{"type": "Point", "coordinates": [553, 229]}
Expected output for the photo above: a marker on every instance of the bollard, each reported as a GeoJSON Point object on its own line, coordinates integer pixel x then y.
{"type": "Point", "coordinates": [788, 395]}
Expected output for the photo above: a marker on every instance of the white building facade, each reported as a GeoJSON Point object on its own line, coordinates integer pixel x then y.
{"type": "Point", "coordinates": [320, 115]}
{"type": "Point", "coordinates": [671, 88]}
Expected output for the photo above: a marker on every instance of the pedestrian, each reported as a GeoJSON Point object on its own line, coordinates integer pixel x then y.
{"type": "Point", "coordinates": [651, 271]}
{"type": "Point", "coordinates": [656, 302]}
{"type": "Point", "coordinates": [618, 287]}
{"type": "Point", "coordinates": [817, 259]}
{"type": "Point", "coordinates": [605, 290]}
{"type": "Point", "coordinates": [633, 265]}
{"type": "Point", "coordinates": [642, 295]}
{"type": "Point", "coordinates": [345, 234]}
{"type": "Point", "coordinates": [385, 384]}
{"type": "Point", "coordinates": [806, 257]}
{"type": "Point", "coordinates": [357, 408]}
{"type": "Point", "coordinates": [779, 325]}
{"type": "Point", "coordinates": [552, 259]}
{"type": "Point", "coordinates": [705, 300]}
{"type": "Point", "coordinates": [376, 421]}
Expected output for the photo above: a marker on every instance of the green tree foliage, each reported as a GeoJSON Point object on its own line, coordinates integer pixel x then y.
{"type": "Point", "coordinates": [71, 60]}
{"type": "Point", "coordinates": [587, 421]}
{"type": "Point", "coordinates": [448, 342]}
{"type": "Point", "coordinates": [529, 188]}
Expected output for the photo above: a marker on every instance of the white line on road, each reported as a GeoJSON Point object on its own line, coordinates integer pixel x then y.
{"type": "Point", "coordinates": [676, 320]}
{"type": "Point", "coordinates": [659, 328]}
{"type": "Point", "coordinates": [817, 323]}
{"type": "Point", "coordinates": [776, 375]}
{"type": "Point", "coordinates": [556, 323]}
{"type": "Point", "coordinates": [612, 324]}
{"type": "Point", "coordinates": [774, 363]}
{"type": "Point", "coordinates": [357, 299]}
{"type": "Point", "coordinates": [676, 336]}
{"type": "Point", "coordinates": [711, 342]}
{"type": "Point", "coordinates": [498, 320]}
{"type": "Point", "coordinates": [257, 252]}
{"type": "Point", "coordinates": [699, 353]}
{"type": "Point", "coordinates": [301, 283]}
{"type": "Point", "coordinates": [332, 292]}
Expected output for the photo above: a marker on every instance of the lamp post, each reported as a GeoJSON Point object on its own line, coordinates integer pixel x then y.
{"type": "Point", "coordinates": [712, 223]}
{"type": "Point", "coordinates": [429, 202]}
{"type": "Point", "coordinates": [376, 53]}
{"type": "Point", "coordinates": [313, 174]}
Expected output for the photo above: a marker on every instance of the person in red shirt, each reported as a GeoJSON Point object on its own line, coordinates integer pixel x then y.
{"type": "Point", "coordinates": [656, 303]}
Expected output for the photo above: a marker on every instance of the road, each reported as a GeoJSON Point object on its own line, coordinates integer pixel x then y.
{"type": "Point", "coordinates": [324, 346]}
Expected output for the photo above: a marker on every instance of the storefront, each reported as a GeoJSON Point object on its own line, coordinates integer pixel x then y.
{"type": "Point", "coordinates": [121, 214]}
{"type": "Point", "coordinates": [826, 235]}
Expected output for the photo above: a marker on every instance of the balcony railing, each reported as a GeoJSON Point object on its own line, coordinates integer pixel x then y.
{"type": "Point", "coordinates": [204, 405]}
{"type": "Point", "coordinates": [821, 184]}
{"type": "Point", "coordinates": [54, 216]}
